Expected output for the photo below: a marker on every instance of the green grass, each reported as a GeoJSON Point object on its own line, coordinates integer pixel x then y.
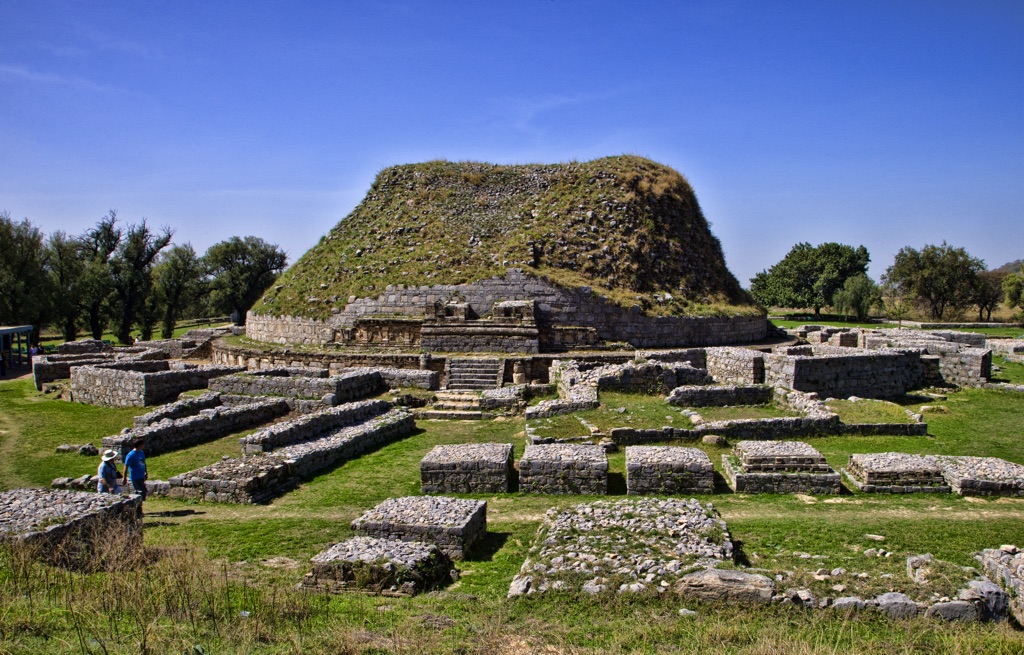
{"type": "Point", "coordinates": [1012, 372]}
{"type": "Point", "coordinates": [250, 557]}
{"type": "Point", "coordinates": [832, 322]}
{"type": "Point", "coordinates": [738, 412]}
{"type": "Point", "coordinates": [869, 411]}
{"type": "Point", "coordinates": [617, 410]}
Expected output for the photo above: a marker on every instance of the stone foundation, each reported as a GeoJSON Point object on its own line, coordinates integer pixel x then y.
{"type": "Point", "coordinates": [563, 469]}
{"type": "Point", "coordinates": [779, 467]}
{"type": "Point", "coordinates": [467, 468]}
{"type": "Point", "coordinates": [312, 426]}
{"type": "Point", "coordinates": [843, 372]}
{"type": "Point", "coordinates": [982, 476]}
{"type": "Point", "coordinates": [895, 473]}
{"type": "Point", "coordinates": [668, 470]}
{"type": "Point", "coordinates": [735, 365]}
{"type": "Point", "coordinates": [454, 525]}
{"type": "Point", "coordinates": [124, 385]}
{"type": "Point", "coordinates": [187, 406]}
{"type": "Point", "coordinates": [70, 527]}
{"type": "Point", "coordinates": [1005, 565]}
{"type": "Point", "coordinates": [720, 395]}
{"type": "Point", "coordinates": [382, 566]}
{"type": "Point", "coordinates": [350, 385]}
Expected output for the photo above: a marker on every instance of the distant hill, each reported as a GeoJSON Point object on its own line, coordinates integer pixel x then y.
{"type": "Point", "coordinates": [1011, 267]}
{"type": "Point", "coordinates": [627, 227]}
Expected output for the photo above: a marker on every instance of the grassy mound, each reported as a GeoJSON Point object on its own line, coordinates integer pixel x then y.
{"type": "Point", "coordinates": [627, 227]}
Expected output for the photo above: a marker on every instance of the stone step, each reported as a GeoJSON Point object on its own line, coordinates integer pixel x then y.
{"type": "Point", "coordinates": [457, 396]}
{"type": "Point", "coordinates": [467, 406]}
{"type": "Point", "coordinates": [454, 415]}
{"type": "Point", "coordinates": [468, 387]}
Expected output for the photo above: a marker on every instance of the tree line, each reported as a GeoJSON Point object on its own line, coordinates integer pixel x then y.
{"type": "Point", "coordinates": [940, 281]}
{"type": "Point", "coordinates": [125, 277]}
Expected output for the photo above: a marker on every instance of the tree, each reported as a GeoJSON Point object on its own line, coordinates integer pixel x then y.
{"type": "Point", "coordinates": [179, 279]}
{"type": "Point", "coordinates": [132, 274]}
{"type": "Point", "coordinates": [1013, 289]}
{"type": "Point", "coordinates": [65, 263]}
{"type": "Point", "coordinates": [24, 284]}
{"type": "Point", "coordinates": [240, 270]}
{"type": "Point", "coordinates": [858, 295]}
{"type": "Point", "coordinates": [809, 276]}
{"type": "Point", "coordinates": [988, 293]}
{"type": "Point", "coordinates": [897, 300]}
{"type": "Point", "coordinates": [99, 245]}
{"type": "Point", "coordinates": [942, 278]}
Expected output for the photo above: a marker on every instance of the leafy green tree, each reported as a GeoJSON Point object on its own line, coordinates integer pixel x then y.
{"type": "Point", "coordinates": [179, 280]}
{"type": "Point", "coordinates": [66, 264]}
{"type": "Point", "coordinates": [857, 297]}
{"type": "Point", "coordinates": [98, 246]}
{"type": "Point", "coordinates": [24, 283]}
{"type": "Point", "coordinates": [809, 276]}
{"type": "Point", "coordinates": [988, 293]}
{"type": "Point", "coordinates": [132, 273]}
{"type": "Point", "coordinates": [897, 300]}
{"type": "Point", "coordinates": [942, 278]}
{"type": "Point", "coordinates": [1013, 289]}
{"type": "Point", "coordinates": [240, 270]}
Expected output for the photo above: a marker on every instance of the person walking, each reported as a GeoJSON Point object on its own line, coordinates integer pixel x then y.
{"type": "Point", "coordinates": [107, 474]}
{"type": "Point", "coordinates": [135, 467]}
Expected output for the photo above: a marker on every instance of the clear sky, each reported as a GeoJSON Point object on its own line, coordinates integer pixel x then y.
{"type": "Point", "coordinates": [884, 123]}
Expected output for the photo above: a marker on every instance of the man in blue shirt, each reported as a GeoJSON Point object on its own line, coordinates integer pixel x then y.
{"type": "Point", "coordinates": [135, 467]}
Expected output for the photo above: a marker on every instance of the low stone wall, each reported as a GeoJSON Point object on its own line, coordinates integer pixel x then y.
{"type": "Point", "coordinates": [668, 470]}
{"type": "Point", "coordinates": [1006, 347]}
{"type": "Point", "coordinates": [563, 469]}
{"type": "Point", "coordinates": [83, 346]}
{"type": "Point", "coordinates": [1005, 565]}
{"type": "Point", "coordinates": [735, 365]}
{"type": "Point", "coordinates": [779, 467]}
{"type": "Point", "coordinates": [209, 424]}
{"type": "Point", "coordinates": [982, 476]}
{"type": "Point", "coordinates": [467, 468]}
{"type": "Point", "coordinates": [259, 478]}
{"type": "Point", "coordinates": [383, 566]}
{"type": "Point", "coordinates": [188, 406]}
{"type": "Point", "coordinates": [70, 527]}
{"type": "Point", "coordinates": [454, 525]}
{"type": "Point", "coordinates": [350, 385]}
{"type": "Point", "coordinates": [113, 386]}
{"type": "Point", "coordinates": [397, 378]}
{"type": "Point", "coordinates": [50, 368]}
{"type": "Point", "coordinates": [720, 395]}
{"type": "Point", "coordinates": [646, 377]}
{"type": "Point", "coordinates": [288, 329]}
{"type": "Point", "coordinates": [312, 426]}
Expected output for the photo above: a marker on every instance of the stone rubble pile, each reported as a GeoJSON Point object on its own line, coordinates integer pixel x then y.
{"type": "Point", "coordinates": [896, 473]}
{"type": "Point", "coordinates": [455, 525]}
{"type": "Point", "coordinates": [626, 546]}
{"type": "Point", "coordinates": [385, 566]}
{"type": "Point", "coordinates": [668, 470]}
{"type": "Point", "coordinates": [779, 467]}
{"type": "Point", "coordinates": [467, 468]}
{"type": "Point", "coordinates": [1006, 565]}
{"type": "Point", "coordinates": [563, 469]}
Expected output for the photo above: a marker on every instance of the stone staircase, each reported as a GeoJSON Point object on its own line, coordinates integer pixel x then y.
{"type": "Point", "coordinates": [455, 405]}
{"type": "Point", "coordinates": [475, 373]}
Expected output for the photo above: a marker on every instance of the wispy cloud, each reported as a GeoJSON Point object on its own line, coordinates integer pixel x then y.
{"type": "Point", "coordinates": [52, 79]}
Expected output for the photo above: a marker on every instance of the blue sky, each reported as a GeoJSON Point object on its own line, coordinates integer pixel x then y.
{"type": "Point", "coordinates": [877, 123]}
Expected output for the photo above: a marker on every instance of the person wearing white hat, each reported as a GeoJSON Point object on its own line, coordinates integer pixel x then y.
{"type": "Point", "coordinates": [107, 474]}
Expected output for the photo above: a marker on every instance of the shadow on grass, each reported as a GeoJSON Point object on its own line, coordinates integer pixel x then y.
{"type": "Point", "coordinates": [176, 512]}
{"type": "Point", "coordinates": [486, 548]}
{"type": "Point", "coordinates": [721, 486]}
{"type": "Point", "coordinates": [738, 554]}
{"type": "Point", "coordinates": [616, 484]}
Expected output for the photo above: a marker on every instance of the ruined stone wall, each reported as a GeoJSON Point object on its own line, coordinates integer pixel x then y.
{"type": "Point", "coordinates": [735, 365]}
{"type": "Point", "coordinates": [470, 337]}
{"type": "Point", "coordinates": [344, 387]}
{"type": "Point", "coordinates": [208, 424]}
{"type": "Point", "coordinates": [720, 395]}
{"type": "Point", "coordinates": [879, 374]}
{"type": "Point", "coordinates": [180, 409]}
{"type": "Point", "coordinates": [555, 305]}
{"type": "Point", "coordinates": [312, 425]}
{"type": "Point", "coordinates": [112, 386]}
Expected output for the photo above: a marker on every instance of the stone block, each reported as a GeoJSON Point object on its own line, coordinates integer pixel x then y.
{"type": "Point", "coordinates": [455, 525]}
{"type": "Point", "coordinates": [668, 470]}
{"type": "Point", "coordinates": [467, 468]}
{"type": "Point", "coordinates": [563, 469]}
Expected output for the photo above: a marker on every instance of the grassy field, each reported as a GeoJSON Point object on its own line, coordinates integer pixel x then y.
{"type": "Point", "coordinates": [995, 331]}
{"type": "Point", "coordinates": [220, 578]}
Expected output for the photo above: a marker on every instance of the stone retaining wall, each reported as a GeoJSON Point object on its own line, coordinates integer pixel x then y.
{"type": "Point", "coordinates": [113, 386]}
{"type": "Point", "coordinates": [347, 386]}
{"type": "Point", "coordinates": [213, 423]}
{"type": "Point", "coordinates": [188, 406]}
{"type": "Point", "coordinates": [312, 426]}
{"type": "Point", "coordinates": [844, 372]}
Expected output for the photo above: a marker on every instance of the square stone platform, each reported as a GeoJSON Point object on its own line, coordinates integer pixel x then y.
{"type": "Point", "coordinates": [453, 524]}
{"type": "Point", "coordinates": [895, 473]}
{"type": "Point", "coordinates": [384, 566]}
{"type": "Point", "coordinates": [982, 476]}
{"type": "Point", "coordinates": [467, 468]}
{"type": "Point", "coordinates": [779, 467]}
{"type": "Point", "coordinates": [563, 469]}
{"type": "Point", "coordinates": [668, 470]}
